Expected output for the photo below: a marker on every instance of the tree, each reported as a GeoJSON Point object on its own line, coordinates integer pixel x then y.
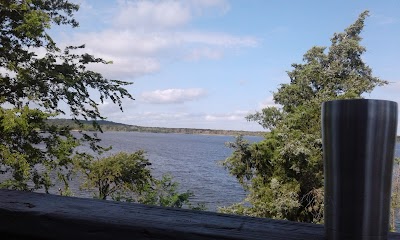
{"type": "Point", "coordinates": [117, 175]}
{"type": "Point", "coordinates": [395, 198]}
{"type": "Point", "coordinates": [127, 177]}
{"type": "Point", "coordinates": [284, 172]}
{"type": "Point", "coordinates": [164, 192]}
{"type": "Point", "coordinates": [32, 87]}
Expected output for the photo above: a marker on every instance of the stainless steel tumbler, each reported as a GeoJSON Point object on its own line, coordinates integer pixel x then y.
{"type": "Point", "coordinates": [359, 138]}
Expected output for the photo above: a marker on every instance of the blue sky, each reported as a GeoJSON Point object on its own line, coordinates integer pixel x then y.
{"type": "Point", "coordinates": [209, 63]}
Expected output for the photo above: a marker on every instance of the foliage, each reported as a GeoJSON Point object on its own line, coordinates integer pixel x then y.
{"type": "Point", "coordinates": [127, 177]}
{"type": "Point", "coordinates": [116, 175]}
{"type": "Point", "coordinates": [164, 192]}
{"type": "Point", "coordinates": [284, 172]}
{"type": "Point", "coordinates": [395, 198]}
{"type": "Point", "coordinates": [33, 151]}
{"type": "Point", "coordinates": [32, 87]}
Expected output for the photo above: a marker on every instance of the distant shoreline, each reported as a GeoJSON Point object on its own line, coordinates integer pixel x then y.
{"type": "Point", "coordinates": [110, 126]}
{"type": "Point", "coordinates": [120, 127]}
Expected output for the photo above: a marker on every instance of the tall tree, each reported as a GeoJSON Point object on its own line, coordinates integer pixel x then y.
{"type": "Point", "coordinates": [32, 88]}
{"type": "Point", "coordinates": [284, 172]}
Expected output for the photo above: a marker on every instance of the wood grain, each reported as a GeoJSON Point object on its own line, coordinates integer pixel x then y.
{"type": "Point", "coordinates": [26, 215]}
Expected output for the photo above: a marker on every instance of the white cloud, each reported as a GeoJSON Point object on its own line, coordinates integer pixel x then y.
{"type": "Point", "coordinates": [161, 14]}
{"type": "Point", "coordinates": [145, 33]}
{"type": "Point", "coordinates": [130, 43]}
{"type": "Point", "coordinates": [168, 96]}
{"type": "Point", "coordinates": [125, 67]}
{"type": "Point", "coordinates": [200, 53]}
{"type": "Point", "coordinates": [218, 39]}
{"type": "Point", "coordinates": [110, 109]}
{"type": "Point", "coordinates": [163, 116]}
{"type": "Point", "coordinates": [126, 43]}
{"type": "Point", "coordinates": [179, 119]}
{"type": "Point", "coordinates": [155, 14]}
{"type": "Point", "coordinates": [235, 116]}
{"type": "Point", "coordinates": [137, 53]}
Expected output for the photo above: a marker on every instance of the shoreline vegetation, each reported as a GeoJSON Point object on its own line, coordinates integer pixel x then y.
{"type": "Point", "coordinates": [110, 126]}
{"type": "Point", "coordinates": [121, 127]}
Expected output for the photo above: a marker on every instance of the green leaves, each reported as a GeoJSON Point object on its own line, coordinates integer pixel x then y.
{"type": "Point", "coordinates": [395, 197]}
{"type": "Point", "coordinates": [35, 153]}
{"type": "Point", "coordinates": [127, 177]}
{"type": "Point", "coordinates": [284, 172]}
{"type": "Point", "coordinates": [116, 175]}
{"type": "Point", "coordinates": [268, 118]}
{"type": "Point", "coordinates": [33, 88]}
{"type": "Point", "coordinates": [164, 192]}
{"type": "Point", "coordinates": [240, 163]}
{"type": "Point", "coordinates": [33, 24]}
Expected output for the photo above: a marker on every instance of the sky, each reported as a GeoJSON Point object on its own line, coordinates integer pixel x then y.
{"type": "Point", "coordinates": [209, 63]}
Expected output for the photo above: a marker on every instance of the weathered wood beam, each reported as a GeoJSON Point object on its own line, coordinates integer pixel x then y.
{"type": "Point", "coordinates": [26, 215]}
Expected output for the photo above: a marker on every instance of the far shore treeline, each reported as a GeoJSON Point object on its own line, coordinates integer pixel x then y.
{"type": "Point", "coordinates": [120, 127]}
{"type": "Point", "coordinates": [114, 126]}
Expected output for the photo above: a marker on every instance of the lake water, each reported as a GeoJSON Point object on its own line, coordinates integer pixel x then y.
{"type": "Point", "coordinates": [193, 160]}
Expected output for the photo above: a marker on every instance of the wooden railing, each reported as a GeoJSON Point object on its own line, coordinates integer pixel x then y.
{"type": "Point", "coordinates": [27, 215]}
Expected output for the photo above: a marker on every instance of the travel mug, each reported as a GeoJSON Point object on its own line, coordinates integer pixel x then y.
{"type": "Point", "coordinates": [359, 138]}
